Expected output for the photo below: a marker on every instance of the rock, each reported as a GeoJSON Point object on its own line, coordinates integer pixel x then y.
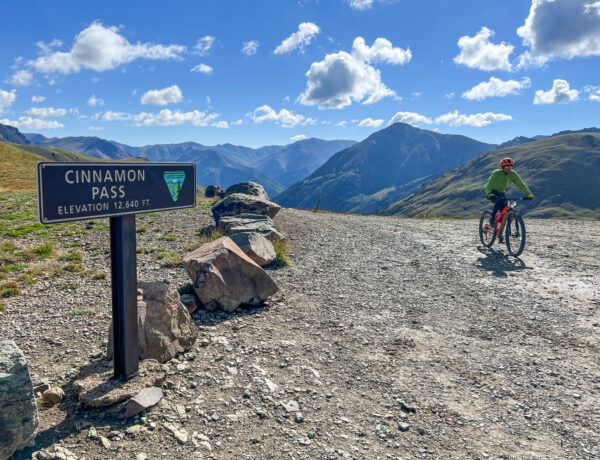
{"type": "Point", "coordinates": [247, 188]}
{"type": "Point", "coordinates": [239, 203]}
{"type": "Point", "coordinates": [41, 387]}
{"type": "Point", "coordinates": [178, 433]}
{"type": "Point", "coordinates": [403, 426]}
{"type": "Point", "coordinates": [105, 442]}
{"type": "Point", "coordinates": [223, 276]}
{"type": "Point", "coordinates": [250, 223]}
{"type": "Point", "coordinates": [212, 191]}
{"type": "Point", "coordinates": [96, 387]}
{"type": "Point", "coordinates": [18, 409]}
{"type": "Point", "coordinates": [165, 327]}
{"type": "Point", "coordinates": [53, 395]}
{"type": "Point", "coordinates": [255, 246]}
{"type": "Point", "coordinates": [291, 406]}
{"type": "Point", "coordinates": [145, 399]}
{"type": "Point", "coordinates": [189, 300]}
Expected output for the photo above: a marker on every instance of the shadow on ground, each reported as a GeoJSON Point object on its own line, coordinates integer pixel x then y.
{"type": "Point", "coordinates": [499, 263]}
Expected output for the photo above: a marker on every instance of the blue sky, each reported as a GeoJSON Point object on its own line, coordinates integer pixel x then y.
{"type": "Point", "coordinates": [269, 72]}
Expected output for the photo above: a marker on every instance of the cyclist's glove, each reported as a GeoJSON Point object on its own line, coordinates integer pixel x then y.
{"type": "Point", "coordinates": [491, 196]}
{"type": "Point", "coordinates": [529, 197]}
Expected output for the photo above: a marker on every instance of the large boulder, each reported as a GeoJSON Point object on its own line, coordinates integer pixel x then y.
{"type": "Point", "coordinates": [18, 410]}
{"type": "Point", "coordinates": [165, 327]}
{"type": "Point", "coordinates": [255, 246]}
{"type": "Point", "coordinates": [224, 277]}
{"type": "Point", "coordinates": [247, 188]}
{"type": "Point", "coordinates": [239, 203]}
{"type": "Point", "coordinates": [250, 223]}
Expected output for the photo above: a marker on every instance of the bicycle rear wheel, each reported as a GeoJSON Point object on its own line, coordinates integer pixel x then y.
{"type": "Point", "coordinates": [515, 235]}
{"type": "Point", "coordinates": [486, 231]}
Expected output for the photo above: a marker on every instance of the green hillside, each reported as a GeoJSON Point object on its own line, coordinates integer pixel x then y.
{"type": "Point", "coordinates": [561, 171]}
{"type": "Point", "coordinates": [55, 154]}
{"type": "Point", "coordinates": [17, 168]}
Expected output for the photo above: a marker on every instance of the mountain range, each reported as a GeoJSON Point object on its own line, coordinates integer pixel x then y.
{"type": "Point", "coordinates": [387, 166]}
{"type": "Point", "coordinates": [561, 170]}
{"type": "Point", "coordinates": [275, 166]}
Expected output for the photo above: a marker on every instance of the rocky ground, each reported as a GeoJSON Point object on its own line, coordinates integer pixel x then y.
{"type": "Point", "coordinates": [390, 338]}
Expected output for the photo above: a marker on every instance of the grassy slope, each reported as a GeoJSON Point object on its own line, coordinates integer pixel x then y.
{"type": "Point", "coordinates": [561, 171]}
{"type": "Point", "coordinates": [17, 168]}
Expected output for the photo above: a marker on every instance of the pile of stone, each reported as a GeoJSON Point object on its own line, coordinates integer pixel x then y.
{"type": "Point", "coordinates": [227, 273]}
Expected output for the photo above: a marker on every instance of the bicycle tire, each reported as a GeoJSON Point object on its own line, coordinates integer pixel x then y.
{"type": "Point", "coordinates": [485, 219]}
{"type": "Point", "coordinates": [515, 246]}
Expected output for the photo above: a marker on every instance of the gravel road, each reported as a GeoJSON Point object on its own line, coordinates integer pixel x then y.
{"type": "Point", "coordinates": [390, 338]}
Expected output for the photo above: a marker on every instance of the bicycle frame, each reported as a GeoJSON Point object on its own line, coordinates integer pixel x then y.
{"type": "Point", "coordinates": [504, 216]}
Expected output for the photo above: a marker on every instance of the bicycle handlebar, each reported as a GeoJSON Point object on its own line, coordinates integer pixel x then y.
{"type": "Point", "coordinates": [523, 198]}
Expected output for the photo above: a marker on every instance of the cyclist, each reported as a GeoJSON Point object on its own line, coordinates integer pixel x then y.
{"type": "Point", "coordinates": [497, 183]}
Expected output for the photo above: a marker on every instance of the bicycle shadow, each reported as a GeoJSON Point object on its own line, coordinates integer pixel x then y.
{"type": "Point", "coordinates": [499, 263]}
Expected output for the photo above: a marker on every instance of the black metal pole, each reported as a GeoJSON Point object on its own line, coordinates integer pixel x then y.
{"type": "Point", "coordinates": [124, 296]}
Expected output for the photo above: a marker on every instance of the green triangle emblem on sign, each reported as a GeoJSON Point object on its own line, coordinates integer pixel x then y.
{"type": "Point", "coordinates": [174, 181]}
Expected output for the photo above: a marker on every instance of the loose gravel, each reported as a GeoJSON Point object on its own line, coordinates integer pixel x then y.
{"type": "Point", "coordinates": [389, 338]}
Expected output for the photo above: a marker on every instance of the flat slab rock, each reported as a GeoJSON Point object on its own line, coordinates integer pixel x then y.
{"type": "Point", "coordinates": [247, 188]}
{"type": "Point", "coordinates": [250, 223]}
{"type": "Point", "coordinates": [97, 388]}
{"type": "Point", "coordinates": [240, 203]}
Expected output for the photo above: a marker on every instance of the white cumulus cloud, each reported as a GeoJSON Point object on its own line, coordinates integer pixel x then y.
{"type": "Point", "coordinates": [476, 119]}
{"type": "Point", "coordinates": [102, 48]}
{"type": "Point", "coordinates": [250, 48]}
{"type": "Point", "coordinates": [297, 138]}
{"type": "Point", "coordinates": [370, 123]}
{"type": "Point", "coordinates": [594, 92]}
{"type": "Point", "coordinates": [109, 115]}
{"type": "Point", "coordinates": [45, 112]}
{"type": "Point", "coordinates": [495, 87]}
{"type": "Point", "coordinates": [167, 117]}
{"type": "Point", "coordinates": [169, 95]}
{"type": "Point", "coordinates": [479, 53]}
{"type": "Point", "coordinates": [220, 124]}
{"type": "Point", "coordinates": [7, 98]}
{"type": "Point", "coordinates": [341, 78]}
{"type": "Point", "coordinates": [306, 32]}
{"type": "Point", "coordinates": [204, 45]}
{"type": "Point", "coordinates": [93, 101]}
{"type": "Point", "coordinates": [283, 118]}
{"type": "Point", "coordinates": [361, 4]}
{"type": "Point", "coordinates": [22, 78]}
{"type": "Point", "coordinates": [381, 51]}
{"type": "Point", "coordinates": [561, 93]}
{"type": "Point", "coordinates": [411, 118]}
{"type": "Point", "coordinates": [38, 98]}
{"type": "Point", "coordinates": [560, 29]}
{"type": "Point", "coordinates": [96, 128]}
{"type": "Point", "coordinates": [33, 123]}
{"type": "Point", "coordinates": [202, 68]}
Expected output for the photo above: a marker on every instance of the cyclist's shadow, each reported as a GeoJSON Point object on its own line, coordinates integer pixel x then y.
{"type": "Point", "coordinates": [499, 263]}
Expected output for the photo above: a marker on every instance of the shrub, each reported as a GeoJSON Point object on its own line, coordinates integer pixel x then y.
{"type": "Point", "coordinates": [9, 289]}
{"type": "Point", "coordinates": [44, 251]}
{"type": "Point", "coordinates": [72, 256]}
{"type": "Point", "coordinates": [281, 250]}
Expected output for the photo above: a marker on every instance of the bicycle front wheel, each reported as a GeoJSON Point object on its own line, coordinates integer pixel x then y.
{"type": "Point", "coordinates": [486, 231]}
{"type": "Point", "coordinates": [515, 235]}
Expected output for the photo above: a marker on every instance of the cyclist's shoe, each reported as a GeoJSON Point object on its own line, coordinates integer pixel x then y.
{"type": "Point", "coordinates": [500, 238]}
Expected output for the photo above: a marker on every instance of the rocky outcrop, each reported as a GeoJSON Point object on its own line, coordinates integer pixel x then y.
{"type": "Point", "coordinates": [255, 246]}
{"type": "Point", "coordinates": [12, 134]}
{"type": "Point", "coordinates": [224, 277]}
{"type": "Point", "coordinates": [239, 203]}
{"type": "Point", "coordinates": [250, 223]}
{"type": "Point", "coordinates": [248, 188]}
{"type": "Point", "coordinates": [165, 327]}
{"type": "Point", "coordinates": [18, 410]}
{"type": "Point", "coordinates": [213, 191]}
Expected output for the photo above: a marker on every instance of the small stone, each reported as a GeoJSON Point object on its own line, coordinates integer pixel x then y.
{"type": "Point", "coordinates": [206, 445]}
{"type": "Point", "coordinates": [421, 431]}
{"type": "Point", "coordinates": [299, 417]}
{"type": "Point", "coordinates": [133, 430]}
{"type": "Point", "coordinates": [403, 426]}
{"type": "Point", "coordinates": [104, 442]}
{"type": "Point", "coordinates": [409, 409]}
{"type": "Point", "coordinates": [141, 456]}
{"type": "Point", "coordinates": [145, 399]}
{"type": "Point", "coordinates": [53, 395]}
{"type": "Point", "coordinates": [272, 386]}
{"type": "Point", "coordinates": [311, 435]}
{"type": "Point", "coordinates": [291, 406]}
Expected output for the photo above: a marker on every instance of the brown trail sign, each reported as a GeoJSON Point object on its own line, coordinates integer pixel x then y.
{"type": "Point", "coordinates": [78, 191]}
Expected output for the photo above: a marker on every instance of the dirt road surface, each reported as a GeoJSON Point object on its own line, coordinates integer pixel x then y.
{"type": "Point", "coordinates": [390, 338]}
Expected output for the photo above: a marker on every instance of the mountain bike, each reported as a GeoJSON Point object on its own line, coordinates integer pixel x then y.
{"type": "Point", "coordinates": [508, 219]}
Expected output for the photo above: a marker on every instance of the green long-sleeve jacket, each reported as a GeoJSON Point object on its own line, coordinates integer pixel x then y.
{"type": "Point", "coordinates": [499, 181]}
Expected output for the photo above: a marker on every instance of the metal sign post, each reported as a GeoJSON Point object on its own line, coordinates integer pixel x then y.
{"type": "Point", "coordinates": [119, 191]}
